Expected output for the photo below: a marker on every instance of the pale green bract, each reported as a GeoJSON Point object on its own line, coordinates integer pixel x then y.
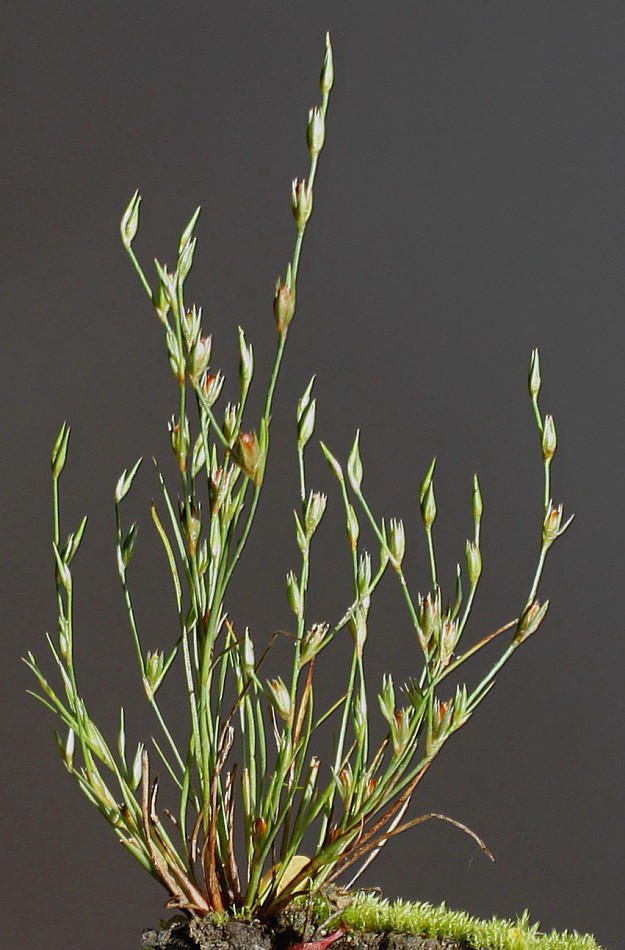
{"type": "Point", "coordinates": [249, 787]}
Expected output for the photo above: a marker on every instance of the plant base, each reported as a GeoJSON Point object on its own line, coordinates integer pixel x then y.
{"type": "Point", "coordinates": [251, 935]}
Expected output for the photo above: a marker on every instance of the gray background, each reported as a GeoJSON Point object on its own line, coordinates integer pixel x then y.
{"type": "Point", "coordinates": [470, 206]}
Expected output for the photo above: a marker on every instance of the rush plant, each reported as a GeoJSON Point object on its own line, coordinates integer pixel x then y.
{"type": "Point", "coordinates": [248, 786]}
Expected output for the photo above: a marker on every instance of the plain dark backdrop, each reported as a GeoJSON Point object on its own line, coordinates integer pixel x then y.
{"type": "Point", "coordinates": [470, 206]}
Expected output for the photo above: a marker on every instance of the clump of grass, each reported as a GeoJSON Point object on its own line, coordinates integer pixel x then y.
{"type": "Point", "coordinates": [372, 914]}
{"type": "Point", "coordinates": [247, 784]}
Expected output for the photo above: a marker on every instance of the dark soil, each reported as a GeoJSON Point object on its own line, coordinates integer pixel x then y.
{"type": "Point", "coordinates": [285, 934]}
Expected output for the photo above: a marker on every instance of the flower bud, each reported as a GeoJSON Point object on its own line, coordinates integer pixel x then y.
{"type": "Point", "coordinates": [476, 501]}
{"type": "Point", "coordinates": [427, 481]}
{"type": "Point", "coordinates": [96, 742]}
{"type": "Point", "coordinates": [65, 639]}
{"type": "Point", "coordinates": [130, 221]}
{"type": "Point", "coordinates": [460, 704]}
{"type": "Point", "coordinates": [187, 234]}
{"type": "Point", "coordinates": [458, 592]}
{"type": "Point", "coordinates": [191, 326]}
{"type": "Point", "coordinates": [301, 202]}
{"type": "Point", "coordinates": [353, 528]}
{"type": "Point", "coordinates": [66, 749]}
{"type": "Point", "coordinates": [220, 487]}
{"type": "Point", "coordinates": [551, 524]}
{"type": "Point", "coordinates": [135, 772]}
{"type": "Point", "coordinates": [449, 637]}
{"type": "Point", "coordinates": [176, 357]}
{"type": "Point", "coordinates": [311, 779]}
{"type": "Point", "coordinates": [415, 694]}
{"type": "Point", "coordinates": [260, 830]}
{"type": "Point", "coordinates": [396, 542]}
{"type": "Point", "coordinates": [198, 455]}
{"type": "Point", "coordinates": [128, 546]}
{"type": "Point", "coordinates": [294, 595]}
{"type": "Point", "coordinates": [316, 130]}
{"type": "Point", "coordinates": [304, 401]}
{"type": "Point", "coordinates": [185, 260]}
{"type": "Point", "coordinates": [333, 833]}
{"type": "Point", "coordinates": [384, 555]}
{"type": "Point", "coordinates": [313, 642]}
{"type": "Point", "coordinates": [214, 540]}
{"type": "Point", "coordinates": [191, 525]}
{"type": "Point", "coordinates": [246, 365]}
{"type": "Point", "coordinates": [202, 558]}
{"type": "Point", "coordinates": [70, 744]}
{"type": "Point", "coordinates": [386, 698]}
{"type": "Point", "coordinates": [360, 716]}
{"type": "Point", "coordinates": [162, 303]}
{"type": "Point", "coordinates": [441, 717]}
{"type": "Point", "coordinates": [179, 438]}
{"type": "Point", "coordinates": [358, 628]}
{"type": "Point", "coordinates": [230, 421]}
{"type": "Point", "coordinates": [283, 306]}
{"type": "Point", "coordinates": [549, 441]}
{"type": "Point", "coordinates": [63, 573]}
{"type": "Point", "coordinates": [354, 465]}
{"type": "Point", "coordinates": [326, 80]}
{"type": "Point", "coordinates": [400, 729]}
{"type": "Point", "coordinates": [474, 562]}
{"type": "Point", "coordinates": [306, 424]}
{"type": "Point", "coordinates": [168, 287]}
{"type": "Point", "coordinates": [154, 667]}
{"type": "Point", "coordinates": [332, 462]}
{"type": "Point", "coordinates": [363, 577]}
{"type": "Point", "coordinates": [303, 541]}
{"type": "Point", "coordinates": [73, 542]}
{"type": "Point", "coordinates": [534, 375]}
{"type": "Point", "coordinates": [429, 618]}
{"type": "Point", "coordinates": [59, 450]}
{"type": "Point", "coordinates": [249, 659]}
{"type": "Point", "coordinates": [530, 620]}
{"type": "Point", "coordinates": [125, 481]}
{"type": "Point", "coordinates": [314, 511]}
{"type": "Point", "coordinates": [280, 698]}
{"type": "Point", "coordinates": [428, 507]}
{"type": "Point", "coordinates": [345, 782]}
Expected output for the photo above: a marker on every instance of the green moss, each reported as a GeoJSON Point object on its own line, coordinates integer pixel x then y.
{"type": "Point", "coordinates": [374, 914]}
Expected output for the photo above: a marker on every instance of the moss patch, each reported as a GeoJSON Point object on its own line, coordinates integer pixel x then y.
{"type": "Point", "coordinates": [375, 915]}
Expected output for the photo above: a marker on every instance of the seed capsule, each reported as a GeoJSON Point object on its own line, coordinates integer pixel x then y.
{"type": "Point", "coordinates": [283, 306]}
{"type": "Point", "coordinates": [249, 456]}
{"type": "Point", "coordinates": [550, 440]}
{"type": "Point", "coordinates": [530, 621]}
{"type": "Point", "coordinates": [301, 202]}
{"type": "Point", "coordinates": [534, 376]}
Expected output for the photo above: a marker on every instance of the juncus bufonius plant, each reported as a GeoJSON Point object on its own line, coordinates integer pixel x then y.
{"type": "Point", "coordinates": [248, 787]}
